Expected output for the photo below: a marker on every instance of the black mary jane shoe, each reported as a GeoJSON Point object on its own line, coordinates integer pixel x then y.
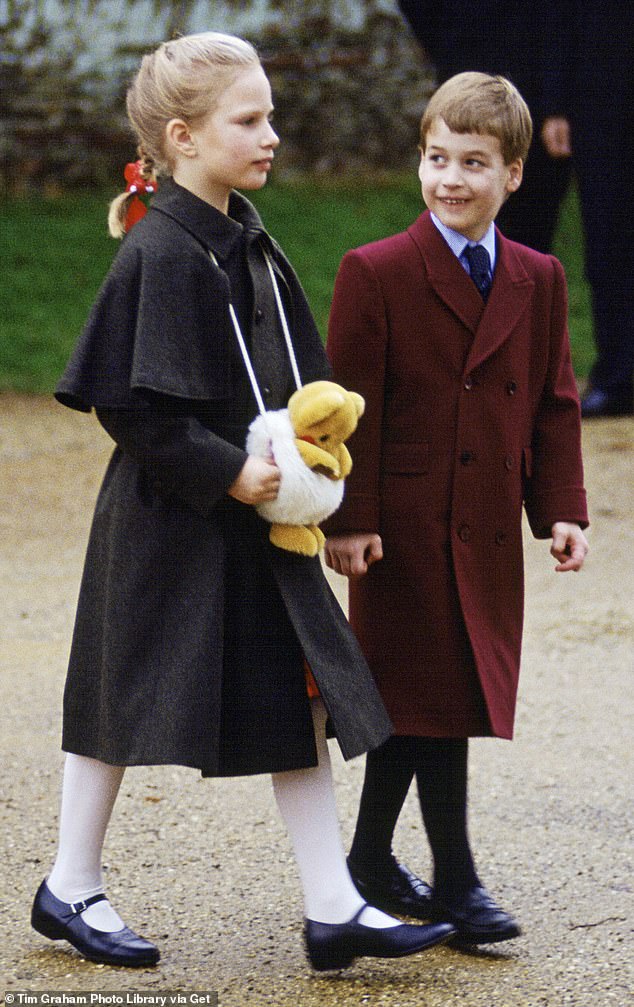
{"type": "Point", "coordinates": [61, 921]}
{"type": "Point", "coordinates": [336, 945]}
{"type": "Point", "coordinates": [393, 888]}
{"type": "Point", "coordinates": [476, 917]}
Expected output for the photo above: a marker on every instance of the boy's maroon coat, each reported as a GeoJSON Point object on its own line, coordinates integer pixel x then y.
{"type": "Point", "coordinates": [471, 411]}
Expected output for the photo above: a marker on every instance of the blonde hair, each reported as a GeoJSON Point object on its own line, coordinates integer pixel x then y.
{"type": "Point", "coordinates": [481, 103]}
{"type": "Point", "coordinates": [182, 79]}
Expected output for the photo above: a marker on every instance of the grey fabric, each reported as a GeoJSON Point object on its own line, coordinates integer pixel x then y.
{"type": "Point", "coordinates": [191, 627]}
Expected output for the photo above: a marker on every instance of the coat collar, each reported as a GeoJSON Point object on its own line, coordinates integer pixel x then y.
{"type": "Point", "coordinates": [491, 323]}
{"type": "Point", "coordinates": [215, 230]}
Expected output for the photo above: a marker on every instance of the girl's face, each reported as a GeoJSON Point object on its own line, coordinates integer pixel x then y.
{"type": "Point", "coordinates": [230, 148]}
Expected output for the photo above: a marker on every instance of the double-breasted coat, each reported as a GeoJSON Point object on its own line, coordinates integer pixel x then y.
{"type": "Point", "coordinates": [471, 412]}
{"type": "Point", "coordinates": [191, 628]}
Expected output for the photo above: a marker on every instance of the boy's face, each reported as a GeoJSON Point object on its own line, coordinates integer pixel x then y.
{"type": "Point", "coordinates": [464, 178]}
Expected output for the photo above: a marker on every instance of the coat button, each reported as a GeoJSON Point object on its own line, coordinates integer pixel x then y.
{"type": "Point", "coordinates": [266, 392]}
{"type": "Point", "coordinates": [464, 533]}
{"type": "Point", "coordinates": [467, 457]}
{"type": "Point", "coordinates": [500, 538]}
{"type": "Point", "coordinates": [258, 315]}
{"type": "Point", "coordinates": [509, 463]}
{"type": "Point", "coordinates": [511, 387]}
{"type": "Point", "coordinates": [468, 383]}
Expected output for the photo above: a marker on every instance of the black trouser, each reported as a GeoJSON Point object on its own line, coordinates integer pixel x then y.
{"type": "Point", "coordinates": [440, 768]}
{"type": "Point", "coordinates": [609, 232]}
{"type": "Point", "coordinates": [530, 216]}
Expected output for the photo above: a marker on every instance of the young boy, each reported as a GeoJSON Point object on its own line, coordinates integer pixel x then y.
{"type": "Point", "coordinates": [457, 339]}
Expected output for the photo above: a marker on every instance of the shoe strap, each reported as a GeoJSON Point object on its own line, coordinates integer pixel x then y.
{"type": "Point", "coordinates": [79, 907]}
{"type": "Point", "coordinates": [359, 912]}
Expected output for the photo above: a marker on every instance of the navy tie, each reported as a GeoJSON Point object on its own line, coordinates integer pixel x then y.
{"type": "Point", "coordinates": [479, 267]}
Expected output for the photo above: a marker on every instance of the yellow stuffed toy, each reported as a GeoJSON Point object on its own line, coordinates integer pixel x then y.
{"type": "Point", "coordinates": [306, 440]}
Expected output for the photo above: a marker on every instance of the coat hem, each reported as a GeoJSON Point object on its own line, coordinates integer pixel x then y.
{"type": "Point", "coordinates": [207, 771]}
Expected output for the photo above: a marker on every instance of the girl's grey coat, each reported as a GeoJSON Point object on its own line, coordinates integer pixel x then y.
{"type": "Point", "coordinates": [190, 626]}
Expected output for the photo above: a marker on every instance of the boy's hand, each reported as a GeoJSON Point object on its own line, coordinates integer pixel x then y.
{"type": "Point", "coordinates": [569, 546]}
{"type": "Point", "coordinates": [353, 555]}
{"type": "Point", "coordinates": [258, 480]}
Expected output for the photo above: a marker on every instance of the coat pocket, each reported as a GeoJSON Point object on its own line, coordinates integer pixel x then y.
{"type": "Point", "coordinates": [406, 459]}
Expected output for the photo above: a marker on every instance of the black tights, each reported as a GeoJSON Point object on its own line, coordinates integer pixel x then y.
{"type": "Point", "coordinates": [440, 768]}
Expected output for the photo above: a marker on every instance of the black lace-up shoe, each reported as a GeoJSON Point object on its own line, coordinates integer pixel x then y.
{"type": "Point", "coordinates": [393, 888]}
{"type": "Point", "coordinates": [476, 917]}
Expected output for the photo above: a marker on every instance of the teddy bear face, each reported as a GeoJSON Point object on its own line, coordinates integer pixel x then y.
{"type": "Point", "coordinates": [334, 429]}
{"type": "Point", "coordinates": [325, 412]}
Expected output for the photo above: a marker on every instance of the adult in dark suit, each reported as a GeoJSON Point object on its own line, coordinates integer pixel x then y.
{"type": "Point", "coordinates": [592, 87]}
{"type": "Point", "coordinates": [506, 37]}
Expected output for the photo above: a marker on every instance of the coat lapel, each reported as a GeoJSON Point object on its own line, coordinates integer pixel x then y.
{"type": "Point", "coordinates": [510, 296]}
{"type": "Point", "coordinates": [490, 324]}
{"type": "Point", "coordinates": [445, 274]}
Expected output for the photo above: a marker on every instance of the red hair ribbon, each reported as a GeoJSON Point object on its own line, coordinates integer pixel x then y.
{"type": "Point", "coordinates": [136, 208]}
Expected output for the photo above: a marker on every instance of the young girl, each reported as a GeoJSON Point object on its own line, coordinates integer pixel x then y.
{"type": "Point", "coordinates": [193, 631]}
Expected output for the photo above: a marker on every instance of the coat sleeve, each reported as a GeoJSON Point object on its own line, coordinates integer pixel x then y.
{"type": "Point", "coordinates": [357, 347]}
{"type": "Point", "coordinates": [180, 457]}
{"type": "Point", "coordinates": [554, 488]}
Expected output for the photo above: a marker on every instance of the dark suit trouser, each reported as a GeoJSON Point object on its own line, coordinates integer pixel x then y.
{"type": "Point", "coordinates": [530, 217]}
{"type": "Point", "coordinates": [608, 220]}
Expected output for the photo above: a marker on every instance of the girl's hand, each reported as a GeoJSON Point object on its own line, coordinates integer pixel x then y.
{"type": "Point", "coordinates": [258, 480]}
{"type": "Point", "coordinates": [353, 555]}
{"type": "Point", "coordinates": [569, 546]}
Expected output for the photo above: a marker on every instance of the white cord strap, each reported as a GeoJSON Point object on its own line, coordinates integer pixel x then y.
{"type": "Point", "coordinates": [285, 330]}
{"type": "Point", "coordinates": [247, 360]}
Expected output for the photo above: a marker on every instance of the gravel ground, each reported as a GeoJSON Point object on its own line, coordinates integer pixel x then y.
{"type": "Point", "coordinates": [204, 867]}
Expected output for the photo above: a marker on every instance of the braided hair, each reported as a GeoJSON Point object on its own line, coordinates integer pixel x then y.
{"type": "Point", "coordinates": [182, 79]}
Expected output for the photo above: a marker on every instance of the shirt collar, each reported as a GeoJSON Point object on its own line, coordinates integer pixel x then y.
{"type": "Point", "coordinates": [214, 229]}
{"type": "Point", "coordinates": [457, 242]}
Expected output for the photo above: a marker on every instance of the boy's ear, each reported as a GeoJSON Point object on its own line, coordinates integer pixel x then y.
{"type": "Point", "coordinates": [420, 163]}
{"type": "Point", "coordinates": [516, 171]}
{"type": "Point", "coordinates": [179, 138]}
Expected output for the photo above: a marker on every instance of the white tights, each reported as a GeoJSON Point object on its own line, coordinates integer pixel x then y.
{"type": "Point", "coordinates": [306, 801]}
{"type": "Point", "coordinates": [89, 791]}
